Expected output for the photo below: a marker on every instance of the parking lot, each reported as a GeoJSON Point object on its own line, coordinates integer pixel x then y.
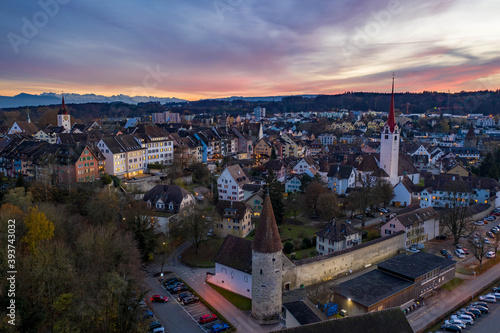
{"type": "Point", "coordinates": [195, 311]}
{"type": "Point", "coordinates": [487, 323]}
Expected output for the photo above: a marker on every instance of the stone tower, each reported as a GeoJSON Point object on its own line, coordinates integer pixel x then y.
{"type": "Point", "coordinates": [266, 268]}
{"type": "Point", "coordinates": [63, 118]}
{"type": "Point", "coordinates": [389, 144]}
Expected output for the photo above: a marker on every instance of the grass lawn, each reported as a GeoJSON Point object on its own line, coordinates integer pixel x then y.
{"type": "Point", "coordinates": [464, 270]}
{"type": "Point", "coordinates": [302, 254]}
{"type": "Point", "coordinates": [455, 283]}
{"type": "Point", "coordinates": [238, 301]}
{"type": "Point", "coordinates": [290, 231]}
{"type": "Point", "coordinates": [205, 255]}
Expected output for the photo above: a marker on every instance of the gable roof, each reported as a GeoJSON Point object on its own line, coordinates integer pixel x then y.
{"type": "Point", "coordinates": [416, 216]}
{"type": "Point", "coordinates": [373, 322]}
{"type": "Point", "coordinates": [121, 143]}
{"type": "Point", "coordinates": [338, 231]}
{"type": "Point", "coordinates": [340, 171]}
{"type": "Point", "coordinates": [239, 208]}
{"type": "Point", "coordinates": [167, 193]}
{"type": "Point", "coordinates": [235, 252]}
{"type": "Point", "coordinates": [239, 175]}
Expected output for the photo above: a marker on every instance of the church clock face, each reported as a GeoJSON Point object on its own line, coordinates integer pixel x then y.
{"type": "Point", "coordinates": [65, 117]}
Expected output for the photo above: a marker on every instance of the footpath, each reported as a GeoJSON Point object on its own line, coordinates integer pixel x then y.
{"type": "Point", "coordinates": [441, 303]}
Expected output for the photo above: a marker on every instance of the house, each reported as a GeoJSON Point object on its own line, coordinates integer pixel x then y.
{"type": "Point", "coordinates": [403, 192]}
{"type": "Point", "coordinates": [256, 201]}
{"type": "Point", "coordinates": [159, 148]}
{"type": "Point", "coordinates": [459, 170]}
{"type": "Point", "coordinates": [304, 166]}
{"type": "Point", "coordinates": [230, 183]}
{"type": "Point", "coordinates": [235, 218]}
{"type": "Point", "coordinates": [292, 185]}
{"type": "Point", "coordinates": [327, 139]}
{"type": "Point", "coordinates": [315, 147]}
{"type": "Point", "coordinates": [397, 282]}
{"type": "Point", "coordinates": [337, 237]}
{"type": "Point", "coordinates": [23, 127]}
{"type": "Point", "coordinates": [341, 177]}
{"type": "Point", "coordinates": [233, 266]}
{"type": "Point", "coordinates": [169, 198]}
{"type": "Point", "coordinates": [278, 168]}
{"type": "Point", "coordinates": [124, 155]}
{"type": "Point", "coordinates": [263, 147]}
{"type": "Point", "coordinates": [419, 226]}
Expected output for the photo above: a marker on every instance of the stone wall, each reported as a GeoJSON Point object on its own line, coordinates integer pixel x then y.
{"type": "Point", "coordinates": [328, 267]}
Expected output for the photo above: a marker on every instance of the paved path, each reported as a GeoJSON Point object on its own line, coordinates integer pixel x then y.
{"type": "Point", "coordinates": [444, 300]}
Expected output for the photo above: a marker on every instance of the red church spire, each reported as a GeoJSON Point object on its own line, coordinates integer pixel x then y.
{"type": "Point", "coordinates": [391, 121]}
{"type": "Point", "coordinates": [63, 109]}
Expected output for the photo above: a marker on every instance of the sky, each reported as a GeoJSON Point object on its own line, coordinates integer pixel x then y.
{"type": "Point", "coordinates": [196, 49]}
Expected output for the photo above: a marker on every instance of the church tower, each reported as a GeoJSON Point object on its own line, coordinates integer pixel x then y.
{"type": "Point", "coordinates": [389, 144]}
{"type": "Point", "coordinates": [63, 118]}
{"type": "Point", "coordinates": [470, 138]}
{"type": "Point", "coordinates": [266, 268]}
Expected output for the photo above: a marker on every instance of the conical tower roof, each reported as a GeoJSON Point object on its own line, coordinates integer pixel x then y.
{"type": "Point", "coordinates": [267, 238]}
{"type": "Point", "coordinates": [470, 134]}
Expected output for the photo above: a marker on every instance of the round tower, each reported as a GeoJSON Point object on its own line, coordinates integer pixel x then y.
{"type": "Point", "coordinates": [266, 268]}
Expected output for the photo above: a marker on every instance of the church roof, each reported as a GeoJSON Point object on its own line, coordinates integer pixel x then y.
{"type": "Point", "coordinates": [63, 109]}
{"type": "Point", "coordinates": [267, 238]}
{"type": "Point", "coordinates": [235, 252]}
{"type": "Point", "coordinates": [391, 120]}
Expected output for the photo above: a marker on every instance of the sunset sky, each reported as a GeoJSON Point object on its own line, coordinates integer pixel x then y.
{"type": "Point", "coordinates": [196, 49]}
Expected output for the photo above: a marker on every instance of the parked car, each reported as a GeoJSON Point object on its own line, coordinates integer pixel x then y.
{"type": "Point", "coordinates": [496, 289]}
{"type": "Point", "coordinates": [154, 324]}
{"type": "Point", "coordinates": [481, 308]}
{"type": "Point", "coordinates": [178, 289]}
{"type": "Point", "coordinates": [147, 314]}
{"type": "Point", "coordinates": [441, 237]}
{"type": "Point", "coordinates": [479, 223]}
{"type": "Point", "coordinates": [488, 298]}
{"type": "Point", "coordinates": [468, 313]}
{"type": "Point", "coordinates": [359, 217]}
{"type": "Point", "coordinates": [181, 296]}
{"type": "Point", "coordinates": [490, 234]}
{"type": "Point", "coordinates": [475, 311]}
{"type": "Point", "coordinates": [443, 252]}
{"type": "Point", "coordinates": [173, 285]}
{"type": "Point", "coordinates": [190, 300]}
{"type": "Point", "coordinates": [383, 210]}
{"type": "Point", "coordinates": [219, 327]}
{"type": "Point", "coordinates": [460, 253]}
{"type": "Point", "coordinates": [206, 318]}
{"type": "Point", "coordinates": [171, 280]}
{"type": "Point", "coordinates": [490, 218]}
{"type": "Point", "coordinates": [159, 299]}
{"type": "Point", "coordinates": [496, 295]}
{"type": "Point", "coordinates": [480, 303]}
{"type": "Point", "coordinates": [451, 328]}
{"type": "Point", "coordinates": [491, 254]}
{"type": "Point", "coordinates": [157, 330]}
{"type": "Point", "coordinates": [466, 319]}
{"type": "Point", "coordinates": [486, 241]}
{"type": "Point", "coordinates": [457, 322]}
{"type": "Point", "coordinates": [466, 251]}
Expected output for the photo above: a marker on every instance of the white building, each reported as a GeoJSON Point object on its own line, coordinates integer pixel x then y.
{"type": "Point", "coordinates": [327, 139]}
{"type": "Point", "coordinates": [159, 147]}
{"type": "Point", "coordinates": [389, 145]}
{"type": "Point", "coordinates": [341, 177]}
{"type": "Point", "coordinates": [292, 185]}
{"type": "Point", "coordinates": [124, 155]}
{"type": "Point", "coordinates": [337, 237]}
{"type": "Point", "coordinates": [230, 183]}
{"type": "Point", "coordinates": [259, 112]}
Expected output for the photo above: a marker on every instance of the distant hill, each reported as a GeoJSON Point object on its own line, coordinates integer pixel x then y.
{"type": "Point", "coordinates": [53, 98]}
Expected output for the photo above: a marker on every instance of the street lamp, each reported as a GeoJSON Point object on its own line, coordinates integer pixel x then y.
{"type": "Point", "coordinates": [163, 258]}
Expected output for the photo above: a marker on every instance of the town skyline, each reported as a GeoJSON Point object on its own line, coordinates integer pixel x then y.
{"type": "Point", "coordinates": [247, 48]}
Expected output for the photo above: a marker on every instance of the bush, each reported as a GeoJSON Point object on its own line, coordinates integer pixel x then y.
{"type": "Point", "coordinates": [106, 179]}
{"type": "Point", "coordinates": [306, 243]}
{"type": "Point", "coordinates": [288, 247]}
{"type": "Point", "coordinates": [314, 253]}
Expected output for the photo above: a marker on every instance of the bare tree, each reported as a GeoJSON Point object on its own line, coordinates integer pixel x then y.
{"type": "Point", "coordinates": [478, 248]}
{"type": "Point", "coordinates": [456, 220]}
{"type": "Point", "coordinates": [320, 293]}
{"type": "Point", "coordinates": [193, 225]}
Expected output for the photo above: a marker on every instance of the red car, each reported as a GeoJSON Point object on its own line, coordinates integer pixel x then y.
{"type": "Point", "coordinates": [465, 250]}
{"type": "Point", "coordinates": [159, 298]}
{"type": "Point", "coordinates": [207, 318]}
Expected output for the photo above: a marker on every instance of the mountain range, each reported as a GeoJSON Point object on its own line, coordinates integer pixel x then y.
{"type": "Point", "coordinates": [53, 98]}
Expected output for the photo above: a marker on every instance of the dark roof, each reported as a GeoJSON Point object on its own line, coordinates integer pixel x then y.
{"type": "Point", "coordinates": [167, 193]}
{"type": "Point", "coordinates": [239, 174]}
{"type": "Point", "coordinates": [121, 143]}
{"type": "Point", "coordinates": [372, 287]}
{"type": "Point", "coordinates": [385, 321]}
{"type": "Point", "coordinates": [416, 216]}
{"type": "Point", "coordinates": [148, 132]}
{"type": "Point", "coordinates": [302, 313]}
{"type": "Point", "coordinates": [267, 238]}
{"type": "Point", "coordinates": [251, 187]}
{"type": "Point", "coordinates": [338, 231]}
{"type": "Point", "coordinates": [274, 164]}
{"type": "Point", "coordinates": [368, 164]}
{"type": "Point", "coordinates": [225, 208]}
{"type": "Point", "coordinates": [235, 252]}
{"type": "Point", "coordinates": [415, 265]}
{"type": "Point", "coordinates": [405, 166]}
{"type": "Point", "coordinates": [340, 171]}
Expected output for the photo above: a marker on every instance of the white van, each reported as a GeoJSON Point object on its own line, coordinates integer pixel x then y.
{"type": "Point", "coordinates": [460, 253]}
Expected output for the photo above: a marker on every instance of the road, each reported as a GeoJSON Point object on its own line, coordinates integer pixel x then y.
{"type": "Point", "coordinates": [444, 301]}
{"type": "Point", "coordinates": [195, 277]}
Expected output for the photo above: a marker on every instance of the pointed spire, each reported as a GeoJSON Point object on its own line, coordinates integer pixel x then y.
{"type": "Point", "coordinates": [267, 237]}
{"type": "Point", "coordinates": [28, 117]}
{"type": "Point", "coordinates": [63, 109]}
{"type": "Point", "coordinates": [391, 121]}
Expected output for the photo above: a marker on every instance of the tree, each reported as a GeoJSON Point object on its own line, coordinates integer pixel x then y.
{"type": "Point", "coordinates": [328, 206]}
{"type": "Point", "coordinates": [362, 197]}
{"type": "Point", "coordinates": [311, 194]}
{"type": "Point", "coordinates": [455, 219]}
{"type": "Point", "coordinates": [478, 248]}
{"type": "Point", "coordinates": [139, 220]}
{"type": "Point", "coordinates": [201, 174]}
{"type": "Point", "coordinates": [38, 228]}
{"type": "Point", "coordinates": [276, 190]}
{"type": "Point", "coordinates": [293, 205]}
{"type": "Point", "coordinates": [383, 192]}
{"type": "Point", "coordinates": [20, 198]}
{"type": "Point", "coordinates": [106, 179]}
{"type": "Point", "coordinates": [288, 247]}
{"type": "Point", "coordinates": [273, 154]}
{"type": "Point", "coordinates": [320, 293]}
{"type": "Point", "coordinates": [193, 225]}
{"type": "Point", "coordinates": [103, 208]}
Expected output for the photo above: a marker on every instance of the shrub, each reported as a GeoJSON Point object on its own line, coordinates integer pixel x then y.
{"type": "Point", "coordinates": [288, 247]}
{"type": "Point", "coordinates": [306, 243]}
